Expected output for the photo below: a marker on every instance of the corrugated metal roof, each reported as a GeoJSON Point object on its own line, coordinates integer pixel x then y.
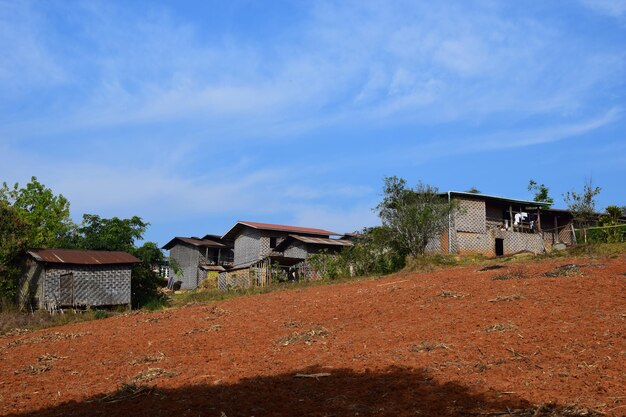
{"type": "Point", "coordinates": [321, 241]}
{"type": "Point", "coordinates": [277, 227]}
{"type": "Point", "coordinates": [82, 257]}
{"type": "Point", "coordinates": [495, 197]}
{"type": "Point", "coordinates": [312, 241]}
{"type": "Point", "coordinates": [204, 243]}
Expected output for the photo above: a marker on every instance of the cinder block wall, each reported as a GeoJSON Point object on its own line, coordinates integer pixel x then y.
{"type": "Point", "coordinates": [94, 285]}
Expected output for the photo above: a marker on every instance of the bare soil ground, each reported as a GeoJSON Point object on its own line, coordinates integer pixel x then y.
{"type": "Point", "coordinates": [453, 342]}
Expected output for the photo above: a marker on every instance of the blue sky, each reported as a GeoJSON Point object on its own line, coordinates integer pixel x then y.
{"type": "Point", "coordinates": [193, 114]}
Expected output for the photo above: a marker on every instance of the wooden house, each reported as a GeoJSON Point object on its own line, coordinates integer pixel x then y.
{"type": "Point", "coordinates": [199, 258]}
{"type": "Point", "coordinates": [56, 278]}
{"type": "Point", "coordinates": [263, 250]}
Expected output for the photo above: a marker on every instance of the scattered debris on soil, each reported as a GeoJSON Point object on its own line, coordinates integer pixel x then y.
{"type": "Point", "coordinates": [150, 374]}
{"type": "Point", "coordinates": [214, 328]}
{"type": "Point", "coordinates": [44, 364]}
{"type": "Point", "coordinates": [518, 273]}
{"type": "Point", "coordinates": [568, 270]}
{"type": "Point", "coordinates": [491, 268]}
{"type": "Point", "coordinates": [15, 332]}
{"type": "Point", "coordinates": [451, 294]}
{"type": "Point", "coordinates": [44, 338]}
{"type": "Point", "coordinates": [500, 327]}
{"type": "Point", "coordinates": [309, 337]}
{"type": "Point", "coordinates": [154, 319]}
{"type": "Point", "coordinates": [149, 359]}
{"type": "Point", "coordinates": [127, 392]}
{"type": "Point", "coordinates": [217, 311]}
{"type": "Point", "coordinates": [548, 410]}
{"type": "Point", "coordinates": [428, 346]}
{"type": "Point", "coordinates": [507, 298]}
{"type": "Point", "coordinates": [291, 325]}
{"type": "Point", "coordinates": [319, 375]}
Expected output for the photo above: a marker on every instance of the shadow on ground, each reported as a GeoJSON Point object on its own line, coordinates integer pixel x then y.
{"type": "Point", "coordinates": [393, 392]}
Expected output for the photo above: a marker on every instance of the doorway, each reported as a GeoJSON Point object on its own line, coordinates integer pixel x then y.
{"type": "Point", "coordinates": [499, 247]}
{"type": "Point", "coordinates": [66, 289]}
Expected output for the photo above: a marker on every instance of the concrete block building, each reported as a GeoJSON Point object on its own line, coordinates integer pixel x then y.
{"type": "Point", "coordinates": [495, 226]}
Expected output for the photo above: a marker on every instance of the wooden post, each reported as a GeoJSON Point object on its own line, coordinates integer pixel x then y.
{"type": "Point", "coordinates": [511, 216]}
{"type": "Point", "coordinates": [539, 219]}
{"type": "Point", "coordinates": [556, 231]}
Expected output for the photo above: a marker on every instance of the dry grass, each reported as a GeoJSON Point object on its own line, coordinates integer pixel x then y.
{"type": "Point", "coordinates": [549, 410]}
{"type": "Point", "coordinates": [44, 338]}
{"type": "Point", "coordinates": [512, 297]}
{"type": "Point", "coordinates": [428, 346]}
{"type": "Point", "coordinates": [451, 294]}
{"type": "Point", "coordinates": [516, 273]}
{"type": "Point", "coordinates": [148, 359]}
{"type": "Point", "coordinates": [44, 364]}
{"type": "Point", "coordinates": [126, 392]}
{"type": "Point", "coordinates": [568, 270]}
{"type": "Point", "coordinates": [309, 337]}
{"type": "Point", "coordinates": [150, 374]}
{"type": "Point", "coordinates": [500, 327]}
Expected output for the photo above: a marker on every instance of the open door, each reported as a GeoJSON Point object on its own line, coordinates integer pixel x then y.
{"type": "Point", "coordinates": [499, 247]}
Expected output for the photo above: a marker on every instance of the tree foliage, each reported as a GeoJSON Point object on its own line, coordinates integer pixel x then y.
{"type": "Point", "coordinates": [610, 220]}
{"type": "Point", "coordinates": [47, 214]}
{"type": "Point", "coordinates": [13, 240]}
{"type": "Point", "coordinates": [114, 234]}
{"type": "Point", "coordinates": [371, 254]}
{"type": "Point", "coordinates": [541, 193]}
{"type": "Point", "coordinates": [583, 205]}
{"type": "Point", "coordinates": [413, 215]}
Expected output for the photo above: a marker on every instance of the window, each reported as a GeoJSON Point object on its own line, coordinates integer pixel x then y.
{"type": "Point", "coordinates": [272, 242]}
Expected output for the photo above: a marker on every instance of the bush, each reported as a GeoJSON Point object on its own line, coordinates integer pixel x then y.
{"type": "Point", "coordinates": [145, 287]}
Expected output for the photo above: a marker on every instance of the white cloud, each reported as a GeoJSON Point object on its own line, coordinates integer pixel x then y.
{"type": "Point", "coordinates": [615, 8]}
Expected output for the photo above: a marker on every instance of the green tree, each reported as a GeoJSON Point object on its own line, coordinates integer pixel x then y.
{"type": "Point", "coordinates": [413, 215]}
{"type": "Point", "coordinates": [13, 240]}
{"type": "Point", "coordinates": [115, 234]}
{"type": "Point", "coordinates": [47, 214]}
{"type": "Point", "coordinates": [583, 205]}
{"type": "Point", "coordinates": [541, 193]}
{"type": "Point", "coordinates": [145, 281]}
{"type": "Point", "coordinates": [610, 220]}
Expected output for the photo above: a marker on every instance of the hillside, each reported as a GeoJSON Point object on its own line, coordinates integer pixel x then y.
{"type": "Point", "coordinates": [447, 343]}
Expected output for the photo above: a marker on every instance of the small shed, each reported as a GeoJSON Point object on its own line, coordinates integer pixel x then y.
{"type": "Point", "coordinates": [55, 278]}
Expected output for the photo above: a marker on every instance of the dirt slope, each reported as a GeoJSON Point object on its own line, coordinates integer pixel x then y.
{"type": "Point", "coordinates": [448, 343]}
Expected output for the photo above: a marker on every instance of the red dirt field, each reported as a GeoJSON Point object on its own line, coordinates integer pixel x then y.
{"type": "Point", "coordinates": [454, 342]}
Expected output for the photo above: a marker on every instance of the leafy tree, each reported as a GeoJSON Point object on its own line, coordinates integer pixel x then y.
{"type": "Point", "coordinates": [47, 214]}
{"type": "Point", "coordinates": [413, 215]}
{"type": "Point", "coordinates": [610, 220]}
{"type": "Point", "coordinates": [145, 281]}
{"type": "Point", "coordinates": [583, 205]}
{"type": "Point", "coordinates": [115, 234]}
{"type": "Point", "coordinates": [541, 193]}
{"type": "Point", "coordinates": [13, 240]}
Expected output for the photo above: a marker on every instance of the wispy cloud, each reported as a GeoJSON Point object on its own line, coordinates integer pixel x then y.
{"type": "Point", "coordinates": [615, 8]}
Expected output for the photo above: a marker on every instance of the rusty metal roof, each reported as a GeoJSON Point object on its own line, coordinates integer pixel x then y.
{"type": "Point", "coordinates": [278, 228]}
{"type": "Point", "coordinates": [203, 243]}
{"type": "Point", "coordinates": [313, 241]}
{"type": "Point", "coordinates": [82, 257]}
